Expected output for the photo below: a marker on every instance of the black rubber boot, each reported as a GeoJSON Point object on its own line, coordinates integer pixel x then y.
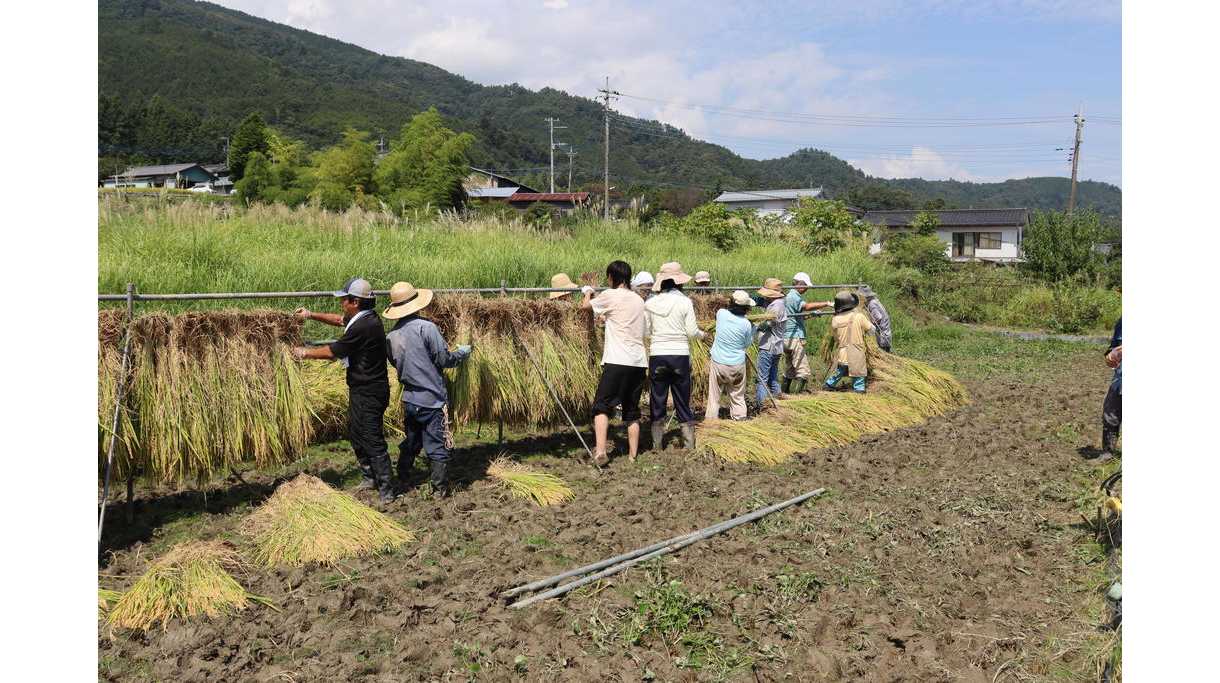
{"type": "Point", "coordinates": [798, 386]}
{"type": "Point", "coordinates": [785, 386]}
{"type": "Point", "coordinates": [688, 435]}
{"type": "Point", "coordinates": [658, 435]}
{"type": "Point", "coordinates": [1109, 441]}
{"type": "Point", "coordinates": [440, 479]}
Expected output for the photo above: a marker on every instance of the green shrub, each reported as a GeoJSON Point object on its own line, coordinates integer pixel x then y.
{"type": "Point", "coordinates": [925, 253]}
{"type": "Point", "coordinates": [824, 225]}
{"type": "Point", "coordinates": [716, 224]}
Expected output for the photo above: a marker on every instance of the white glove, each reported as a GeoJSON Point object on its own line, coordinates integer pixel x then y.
{"type": "Point", "coordinates": [587, 290]}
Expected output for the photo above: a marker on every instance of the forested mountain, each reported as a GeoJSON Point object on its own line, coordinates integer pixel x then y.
{"type": "Point", "coordinates": [175, 77]}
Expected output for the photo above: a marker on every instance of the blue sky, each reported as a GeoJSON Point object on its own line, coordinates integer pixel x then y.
{"type": "Point", "coordinates": [765, 79]}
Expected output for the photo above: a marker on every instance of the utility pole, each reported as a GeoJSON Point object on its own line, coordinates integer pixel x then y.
{"type": "Point", "coordinates": [607, 95]}
{"type": "Point", "coordinates": [571, 153]}
{"type": "Point", "coordinates": [1079, 118]}
{"type": "Point", "coordinates": [551, 123]}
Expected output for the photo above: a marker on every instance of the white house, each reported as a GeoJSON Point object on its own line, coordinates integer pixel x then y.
{"type": "Point", "coordinates": [969, 234]}
{"type": "Point", "coordinates": [764, 202]}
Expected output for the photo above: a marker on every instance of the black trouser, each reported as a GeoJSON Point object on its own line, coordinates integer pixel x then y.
{"type": "Point", "coordinates": [669, 375]}
{"type": "Point", "coordinates": [422, 428]}
{"type": "Point", "coordinates": [1112, 407]}
{"type": "Point", "coordinates": [365, 412]}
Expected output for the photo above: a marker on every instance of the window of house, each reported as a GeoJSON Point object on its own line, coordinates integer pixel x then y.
{"type": "Point", "coordinates": [989, 240]}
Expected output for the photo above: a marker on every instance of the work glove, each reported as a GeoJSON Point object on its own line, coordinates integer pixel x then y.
{"type": "Point", "coordinates": [463, 352]}
{"type": "Point", "coordinates": [301, 313]}
{"type": "Point", "coordinates": [587, 290]}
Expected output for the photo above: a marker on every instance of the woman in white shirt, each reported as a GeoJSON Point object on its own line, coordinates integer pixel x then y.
{"type": "Point", "coordinates": [671, 326]}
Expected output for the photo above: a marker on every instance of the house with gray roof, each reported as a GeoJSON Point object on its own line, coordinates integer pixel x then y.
{"type": "Point", "coordinates": [181, 176]}
{"type": "Point", "coordinates": [766, 202]}
{"type": "Point", "coordinates": [969, 234]}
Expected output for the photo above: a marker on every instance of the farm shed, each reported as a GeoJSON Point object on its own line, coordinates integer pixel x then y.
{"type": "Point", "coordinates": [764, 202]}
{"type": "Point", "coordinates": [482, 179]}
{"type": "Point", "coordinates": [180, 176]}
{"type": "Point", "coordinates": [562, 201]}
{"type": "Point", "coordinates": [969, 234]}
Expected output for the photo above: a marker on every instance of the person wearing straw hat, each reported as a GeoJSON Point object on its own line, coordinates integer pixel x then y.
{"type": "Point", "coordinates": [642, 284]}
{"type": "Point", "coordinates": [849, 326]}
{"type": "Point", "coordinates": [362, 350]}
{"type": "Point", "coordinates": [624, 360]}
{"type": "Point", "coordinates": [771, 340]}
{"type": "Point", "coordinates": [727, 367]}
{"type": "Point", "coordinates": [670, 326]}
{"type": "Point", "coordinates": [797, 371]}
{"type": "Point", "coordinates": [879, 316]}
{"type": "Point", "coordinates": [703, 280]}
{"type": "Point", "coordinates": [419, 354]}
{"type": "Point", "coordinates": [562, 281]}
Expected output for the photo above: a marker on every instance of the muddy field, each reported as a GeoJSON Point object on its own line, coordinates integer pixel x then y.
{"type": "Point", "coordinates": [952, 551]}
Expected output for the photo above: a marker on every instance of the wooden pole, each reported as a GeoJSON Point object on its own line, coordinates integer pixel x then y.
{"type": "Point", "coordinates": [118, 407]}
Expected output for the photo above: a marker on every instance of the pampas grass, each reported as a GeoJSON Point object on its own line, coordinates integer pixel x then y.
{"type": "Point", "coordinates": [544, 489]}
{"type": "Point", "coordinates": [305, 521]}
{"type": "Point", "coordinates": [191, 580]}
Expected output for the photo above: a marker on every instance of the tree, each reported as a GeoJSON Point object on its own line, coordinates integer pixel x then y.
{"type": "Point", "coordinates": [250, 137]}
{"type": "Point", "coordinates": [925, 223]}
{"type": "Point", "coordinates": [1058, 246]}
{"type": "Point", "coordinates": [714, 223]}
{"type": "Point", "coordinates": [425, 166]}
{"type": "Point", "coordinates": [925, 253]}
{"type": "Point", "coordinates": [343, 173]}
{"type": "Point", "coordinates": [259, 181]}
{"type": "Point", "coordinates": [875, 196]}
{"type": "Point", "coordinates": [825, 225]}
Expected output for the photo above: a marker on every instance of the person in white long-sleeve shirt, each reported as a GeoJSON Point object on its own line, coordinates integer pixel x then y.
{"type": "Point", "coordinates": [670, 325]}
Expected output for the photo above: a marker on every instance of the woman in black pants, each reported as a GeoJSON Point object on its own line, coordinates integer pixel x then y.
{"type": "Point", "coordinates": [671, 326]}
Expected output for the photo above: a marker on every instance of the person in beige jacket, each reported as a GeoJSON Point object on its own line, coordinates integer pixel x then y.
{"type": "Point", "coordinates": [849, 326]}
{"type": "Point", "coordinates": [669, 326]}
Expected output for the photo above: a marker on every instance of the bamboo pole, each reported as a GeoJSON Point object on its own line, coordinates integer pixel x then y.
{"type": "Point", "coordinates": [631, 559]}
{"type": "Point", "coordinates": [114, 424]}
{"type": "Point", "coordinates": [554, 396]}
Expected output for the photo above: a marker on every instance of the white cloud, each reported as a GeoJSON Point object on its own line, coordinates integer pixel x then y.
{"type": "Point", "coordinates": [555, 4]}
{"type": "Point", "coordinates": [921, 162]}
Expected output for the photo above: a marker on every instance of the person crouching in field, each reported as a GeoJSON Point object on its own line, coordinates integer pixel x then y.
{"type": "Point", "coordinates": [419, 353]}
{"type": "Point", "coordinates": [849, 326]}
{"type": "Point", "coordinates": [879, 317]}
{"type": "Point", "coordinates": [797, 361]}
{"type": "Point", "coordinates": [624, 361]}
{"type": "Point", "coordinates": [727, 369]}
{"type": "Point", "coordinates": [670, 327]}
{"type": "Point", "coordinates": [771, 340]}
{"type": "Point", "coordinates": [362, 350]}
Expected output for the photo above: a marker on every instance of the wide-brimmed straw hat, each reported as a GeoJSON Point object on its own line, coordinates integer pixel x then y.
{"type": "Point", "coordinates": [670, 271]}
{"type": "Point", "coordinates": [641, 279]}
{"type": "Point", "coordinates": [561, 280]}
{"type": "Point", "coordinates": [405, 299]}
{"type": "Point", "coordinates": [703, 278]}
{"type": "Point", "coordinates": [772, 288]}
{"type": "Point", "coordinates": [742, 298]}
{"type": "Point", "coordinates": [845, 301]}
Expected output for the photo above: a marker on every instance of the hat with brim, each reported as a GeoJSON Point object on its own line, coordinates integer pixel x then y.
{"type": "Point", "coordinates": [772, 288]}
{"type": "Point", "coordinates": [558, 281]}
{"type": "Point", "coordinates": [703, 278]}
{"type": "Point", "coordinates": [670, 271]}
{"type": "Point", "coordinates": [802, 279]}
{"type": "Point", "coordinates": [405, 299]}
{"type": "Point", "coordinates": [742, 298]}
{"type": "Point", "coordinates": [642, 279]}
{"type": "Point", "coordinates": [866, 292]}
{"type": "Point", "coordinates": [845, 301]}
{"type": "Point", "coordinates": [357, 287]}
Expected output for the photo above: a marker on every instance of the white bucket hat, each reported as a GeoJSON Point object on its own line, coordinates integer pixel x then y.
{"type": "Point", "coordinates": [802, 278]}
{"type": "Point", "coordinates": [742, 298]}
{"type": "Point", "coordinates": [405, 299]}
{"type": "Point", "coordinates": [641, 279]}
{"type": "Point", "coordinates": [703, 278]}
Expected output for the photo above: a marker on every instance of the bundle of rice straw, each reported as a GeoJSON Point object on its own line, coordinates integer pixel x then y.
{"type": "Point", "coordinates": [192, 579]}
{"type": "Point", "coordinates": [307, 521]}
{"type": "Point", "coordinates": [544, 489]}
{"type": "Point", "coordinates": [901, 392]}
{"type": "Point", "coordinates": [105, 600]}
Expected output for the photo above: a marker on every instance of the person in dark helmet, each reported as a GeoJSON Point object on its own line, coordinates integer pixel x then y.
{"type": "Point", "coordinates": [849, 326]}
{"type": "Point", "coordinates": [362, 350]}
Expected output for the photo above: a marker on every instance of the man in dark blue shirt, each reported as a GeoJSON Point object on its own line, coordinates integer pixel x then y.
{"type": "Point", "coordinates": [362, 350]}
{"type": "Point", "coordinates": [1112, 407]}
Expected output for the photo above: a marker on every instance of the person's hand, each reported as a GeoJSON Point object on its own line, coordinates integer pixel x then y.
{"type": "Point", "coordinates": [298, 352]}
{"type": "Point", "coordinates": [1115, 357]}
{"type": "Point", "coordinates": [301, 313]}
{"type": "Point", "coordinates": [464, 351]}
{"type": "Point", "coordinates": [587, 290]}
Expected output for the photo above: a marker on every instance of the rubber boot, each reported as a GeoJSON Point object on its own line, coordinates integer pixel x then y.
{"type": "Point", "coordinates": [1109, 440]}
{"type": "Point", "coordinates": [688, 435]}
{"type": "Point", "coordinates": [786, 386]}
{"type": "Point", "coordinates": [440, 479]}
{"type": "Point", "coordinates": [798, 386]}
{"type": "Point", "coordinates": [658, 434]}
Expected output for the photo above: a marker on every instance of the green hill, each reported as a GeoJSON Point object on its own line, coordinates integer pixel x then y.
{"type": "Point", "coordinates": [175, 76]}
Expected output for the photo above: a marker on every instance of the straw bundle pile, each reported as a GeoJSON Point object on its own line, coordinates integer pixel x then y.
{"type": "Point", "coordinates": [544, 489]}
{"type": "Point", "coordinates": [192, 579]}
{"type": "Point", "coordinates": [307, 521]}
{"type": "Point", "coordinates": [902, 392]}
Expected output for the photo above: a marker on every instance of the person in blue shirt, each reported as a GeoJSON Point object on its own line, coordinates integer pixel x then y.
{"type": "Point", "coordinates": [727, 369]}
{"type": "Point", "coordinates": [797, 372]}
{"type": "Point", "coordinates": [418, 352]}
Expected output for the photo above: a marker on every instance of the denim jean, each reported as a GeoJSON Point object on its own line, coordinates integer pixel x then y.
{"type": "Point", "coordinates": [857, 383]}
{"type": "Point", "coordinates": [768, 375]}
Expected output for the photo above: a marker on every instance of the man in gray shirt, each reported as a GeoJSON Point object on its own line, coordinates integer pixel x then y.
{"type": "Point", "coordinates": [879, 316]}
{"type": "Point", "coordinates": [419, 353]}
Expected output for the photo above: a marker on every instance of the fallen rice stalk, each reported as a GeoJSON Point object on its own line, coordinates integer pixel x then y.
{"type": "Point", "coordinates": [306, 521]}
{"type": "Point", "coordinates": [191, 580]}
{"type": "Point", "coordinates": [105, 600]}
{"type": "Point", "coordinates": [544, 489]}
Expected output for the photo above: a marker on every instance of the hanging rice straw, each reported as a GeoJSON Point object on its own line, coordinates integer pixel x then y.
{"type": "Point", "coordinates": [306, 521]}
{"type": "Point", "coordinates": [544, 489]}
